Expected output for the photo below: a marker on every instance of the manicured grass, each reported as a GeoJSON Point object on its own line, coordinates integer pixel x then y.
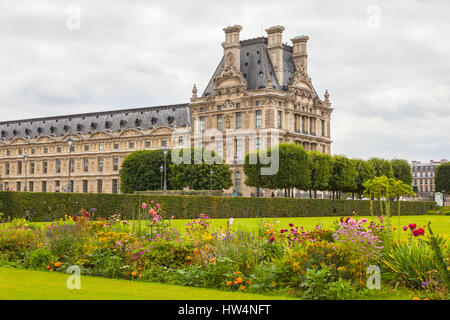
{"type": "Point", "coordinates": [29, 285]}
{"type": "Point", "coordinates": [439, 224]}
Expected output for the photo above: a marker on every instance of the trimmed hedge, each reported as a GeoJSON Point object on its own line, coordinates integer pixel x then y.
{"type": "Point", "coordinates": [51, 206]}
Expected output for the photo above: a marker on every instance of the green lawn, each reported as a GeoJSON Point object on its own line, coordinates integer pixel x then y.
{"type": "Point", "coordinates": [439, 224]}
{"type": "Point", "coordinates": [29, 285]}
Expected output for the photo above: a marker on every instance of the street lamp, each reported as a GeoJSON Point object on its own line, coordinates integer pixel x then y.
{"type": "Point", "coordinates": [25, 157]}
{"type": "Point", "coordinates": [211, 176]}
{"type": "Point", "coordinates": [165, 169]}
{"type": "Point", "coordinates": [70, 142]}
{"type": "Point", "coordinates": [443, 198]}
{"type": "Point", "coordinates": [161, 169]}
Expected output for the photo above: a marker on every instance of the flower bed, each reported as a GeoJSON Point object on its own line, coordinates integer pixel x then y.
{"type": "Point", "coordinates": [280, 259]}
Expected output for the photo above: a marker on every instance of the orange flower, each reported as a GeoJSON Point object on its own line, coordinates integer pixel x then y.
{"type": "Point", "coordinates": [58, 264]}
{"type": "Point", "coordinates": [140, 275]}
{"type": "Point", "coordinates": [239, 280]}
{"type": "Point", "coordinates": [243, 288]}
{"type": "Point", "coordinates": [133, 273]}
{"type": "Point", "coordinates": [235, 282]}
{"type": "Point", "coordinates": [248, 282]}
{"type": "Point", "coordinates": [228, 283]}
{"type": "Point", "coordinates": [416, 298]}
{"type": "Point", "coordinates": [139, 268]}
{"type": "Point", "coordinates": [237, 272]}
{"type": "Point", "coordinates": [48, 267]}
{"type": "Point", "coordinates": [51, 270]}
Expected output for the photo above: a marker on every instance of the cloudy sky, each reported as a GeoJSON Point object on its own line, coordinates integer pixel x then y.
{"type": "Point", "coordinates": [385, 63]}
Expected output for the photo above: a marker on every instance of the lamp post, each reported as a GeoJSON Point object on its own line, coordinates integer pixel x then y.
{"type": "Point", "coordinates": [443, 198]}
{"type": "Point", "coordinates": [161, 169]}
{"type": "Point", "coordinates": [25, 157]}
{"type": "Point", "coordinates": [70, 142]}
{"type": "Point", "coordinates": [165, 169]}
{"type": "Point", "coordinates": [211, 173]}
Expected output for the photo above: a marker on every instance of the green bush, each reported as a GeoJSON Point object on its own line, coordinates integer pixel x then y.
{"type": "Point", "coordinates": [37, 206]}
{"type": "Point", "coordinates": [39, 258]}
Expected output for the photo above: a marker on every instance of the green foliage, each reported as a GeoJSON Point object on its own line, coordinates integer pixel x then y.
{"type": "Point", "coordinates": [141, 171]}
{"type": "Point", "coordinates": [410, 262]}
{"type": "Point", "coordinates": [197, 176]}
{"type": "Point", "coordinates": [53, 206]}
{"type": "Point", "coordinates": [320, 284]}
{"type": "Point", "coordinates": [293, 170]}
{"type": "Point", "coordinates": [364, 172]}
{"type": "Point", "coordinates": [39, 258]}
{"type": "Point", "coordinates": [402, 171]}
{"type": "Point", "coordinates": [382, 167]}
{"type": "Point", "coordinates": [442, 178]}
{"type": "Point", "coordinates": [321, 166]}
{"type": "Point", "coordinates": [343, 175]}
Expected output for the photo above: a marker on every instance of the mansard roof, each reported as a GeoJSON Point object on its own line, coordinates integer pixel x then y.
{"type": "Point", "coordinates": [256, 66]}
{"type": "Point", "coordinates": [176, 115]}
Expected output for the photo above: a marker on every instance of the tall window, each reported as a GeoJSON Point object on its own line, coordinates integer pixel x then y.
{"type": "Point", "coordinates": [18, 186]}
{"type": "Point", "coordinates": [19, 167]}
{"type": "Point", "coordinates": [220, 148]}
{"type": "Point", "coordinates": [45, 149]}
{"type": "Point", "coordinates": [44, 186]}
{"type": "Point", "coordinates": [310, 126]}
{"type": "Point", "coordinates": [86, 147]}
{"type": "Point", "coordinates": [279, 119]}
{"type": "Point", "coordinates": [57, 185]}
{"type": "Point", "coordinates": [72, 165]}
{"type": "Point", "coordinates": [238, 120]}
{"type": "Point", "coordinates": [58, 149]}
{"type": "Point", "coordinates": [101, 145]}
{"type": "Point", "coordinates": [163, 142]}
{"type": "Point", "coordinates": [258, 118]}
{"type": "Point", "coordinates": [147, 143]}
{"type": "Point", "coordinates": [7, 168]}
{"type": "Point", "coordinates": [219, 122]}
{"type": "Point", "coordinates": [99, 186]}
{"type": "Point", "coordinates": [323, 127]}
{"type": "Point", "coordinates": [131, 144]}
{"type": "Point", "coordinates": [31, 186]}
{"type": "Point", "coordinates": [114, 186]}
{"type": "Point", "coordinates": [238, 182]}
{"type": "Point", "coordinates": [85, 186]}
{"type": "Point", "coordinates": [86, 164]}
{"type": "Point", "coordinates": [239, 149]}
{"type": "Point", "coordinates": [303, 125]}
{"type": "Point", "coordinates": [44, 167]}
{"type": "Point", "coordinates": [31, 167]}
{"type": "Point", "coordinates": [116, 145]}
{"type": "Point", "coordinates": [115, 163]}
{"type": "Point", "coordinates": [202, 124]}
{"type": "Point", "coordinates": [100, 164]}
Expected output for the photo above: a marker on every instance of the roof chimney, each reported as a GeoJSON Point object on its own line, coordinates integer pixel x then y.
{"type": "Point", "coordinates": [299, 54]}
{"type": "Point", "coordinates": [231, 47]}
{"type": "Point", "coordinates": [275, 50]}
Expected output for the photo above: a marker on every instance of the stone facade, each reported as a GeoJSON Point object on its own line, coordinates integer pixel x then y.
{"type": "Point", "coordinates": [260, 90]}
{"type": "Point", "coordinates": [423, 178]}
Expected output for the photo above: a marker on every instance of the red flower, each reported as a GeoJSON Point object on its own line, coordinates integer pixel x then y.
{"type": "Point", "coordinates": [86, 215]}
{"type": "Point", "coordinates": [75, 218]}
{"type": "Point", "coordinates": [412, 226]}
{"type": "Point", "coordinates": [271, 239]}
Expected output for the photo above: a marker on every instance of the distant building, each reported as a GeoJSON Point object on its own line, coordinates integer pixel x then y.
{"type": "Point", "coordinates": [423, 178]}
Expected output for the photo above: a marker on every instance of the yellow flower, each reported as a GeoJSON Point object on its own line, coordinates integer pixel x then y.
{"type": "Point", "coordinates": [212, 260]}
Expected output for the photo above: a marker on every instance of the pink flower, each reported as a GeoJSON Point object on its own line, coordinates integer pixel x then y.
{"type": "Point", "coordinates": [405, 228]}
{"type": "Point", "coordinates": [157, 205]}
{"type": "Point", "coordinates": [352, 222]}
{"type": "Point", "coordinates": [144, 205]}
{"type": "Point", "coordinates": [154, 220]}
{"type": "Point", "coordinates": [158, 217]}
{"type": "Point", "coordinates": [152, 202]}
{"type": "Point", "coordinates": [363, 220]}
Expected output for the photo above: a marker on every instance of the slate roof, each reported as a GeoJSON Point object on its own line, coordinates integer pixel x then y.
{"type": "Point", "coordinates": [256, 66]}
{"type": "Point", "coordinates": [144, 118]}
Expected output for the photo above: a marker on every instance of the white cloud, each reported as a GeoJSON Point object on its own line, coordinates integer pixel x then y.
{"type": "Point", "coordinates": [389, 85]}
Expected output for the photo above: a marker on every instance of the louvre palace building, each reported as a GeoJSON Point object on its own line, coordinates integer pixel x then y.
{"type": "Point", "coordinates": [260, 94]}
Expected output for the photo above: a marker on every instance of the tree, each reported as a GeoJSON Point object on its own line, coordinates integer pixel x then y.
{"type": "Point", "coordinates": [442, 178]}
{"type": "Point", "coordinates": [197, 176]}
{"type": "Point", "coordinates": [141, 171]}
{"type": "Point", "coordinates": [402, 170]}
{"type": "Point", "coordinates": [382, 167]}
{"type": "Point", "coordinates": [320, 165]}
{"type": "Point", "coordinates": [343, 175]}
{"type": "Point", "coordinates": [293, 169]}
{"type": "Point", "coordinates": [364, 172]}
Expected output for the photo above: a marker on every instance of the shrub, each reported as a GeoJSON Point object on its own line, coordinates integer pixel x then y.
{"type": "Point", "coordinates": [39, 258]}
{"type": "Point", "coordinates": [54, 206]}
